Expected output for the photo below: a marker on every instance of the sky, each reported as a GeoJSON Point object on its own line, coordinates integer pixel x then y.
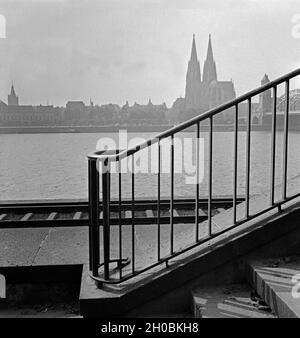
{"type": "Point", "coordinates": [112, 51]}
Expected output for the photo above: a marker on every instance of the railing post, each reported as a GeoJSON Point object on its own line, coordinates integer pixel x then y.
{"type": "Point", "coordinates": [158, 202]}
{"type": "Point", "coordinates": [197, 181]}
{"type": "Point", "coordinates": [248, 156]}
{"type": "Point", "coordinates": [285, 139]}
{"type": "Point", "coordinates": [99, 162]}
{"type": "Point", "coordinates": [120, 218]}
{"type": "Point", "coordinates": [106, 215]}
{"type": "Point", "coordinates": [172, 197]}
{"type": "Point", "coordinates": [210, 175]}
{"type": "Point", "coordinates": [235, 172]}
{"type": "Point", "coordinates": [273, 149]}
{"type": "Point", "coordinates": [133, 216]}
{"type": "Point", "coordinates": [94, 252]}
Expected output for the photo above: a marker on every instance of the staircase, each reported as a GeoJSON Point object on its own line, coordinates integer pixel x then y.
{"type": "Point", "coordinates": [219, 270]}
{"type": "Point", "coordinates": [229, 301]}
{"type": "Point", "coordinates": [277, 281]}
{"type": "Point", "coordinates": [136, 271]}
{"type": "Point", "coordinates": [272, 290]}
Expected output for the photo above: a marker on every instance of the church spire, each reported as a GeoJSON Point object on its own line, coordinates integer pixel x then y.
{"type": "Point", "coordinates": [209, 70]}
{"type": "Point", "coordinates": [194, 50]}
{"type": "Point", "coordinates": [12, 98]}
{"type": "Point", "coordinates": [193, 80]}
{"type": "Point", "coordinates": [12, 90]}
{"type": "Point", "coordinates": [210, 55]}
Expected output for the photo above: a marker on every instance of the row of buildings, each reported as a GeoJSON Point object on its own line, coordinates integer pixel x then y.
{"type": "Point", "coordinates": [77, 113]}
{"type": "Point", "coordinates": [202, 92]}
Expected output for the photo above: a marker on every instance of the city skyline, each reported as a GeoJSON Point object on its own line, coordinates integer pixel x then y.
{"type": "Point", "coordinates": [59, 51]}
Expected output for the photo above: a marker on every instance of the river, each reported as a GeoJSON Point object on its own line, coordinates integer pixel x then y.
{"type": "Point", "coordinates": [54, 166]}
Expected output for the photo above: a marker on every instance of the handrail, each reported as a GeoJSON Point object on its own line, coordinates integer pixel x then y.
{"type": "Point", "coordinates": [105, 157]}
{"type": "Point", "coordinates": [194, 120]}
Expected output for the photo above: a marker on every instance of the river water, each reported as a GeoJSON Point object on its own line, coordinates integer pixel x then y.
{"type": "Point", "coordinates": [54, 166]}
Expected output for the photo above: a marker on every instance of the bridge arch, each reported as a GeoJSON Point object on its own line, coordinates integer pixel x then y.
{"type": "Point", "coordinates": [294, 100]}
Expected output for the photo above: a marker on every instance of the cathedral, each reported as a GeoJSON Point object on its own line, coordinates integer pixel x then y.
{"type": "Point", "coordinates": [202, 92]}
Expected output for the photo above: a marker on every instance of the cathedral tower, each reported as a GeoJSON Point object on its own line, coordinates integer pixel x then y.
{"type": "Point", "coordinates": [209, 70]}
{"type": "Point", "coordinates": [193, 80]}
{"type": "Point", "coordinates": [204, 93]}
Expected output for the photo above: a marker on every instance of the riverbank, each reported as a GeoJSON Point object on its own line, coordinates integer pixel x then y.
{"type": "Point", "coordinates": [129, 128]}
{"type": "Point", "coordinates": [81, 129]}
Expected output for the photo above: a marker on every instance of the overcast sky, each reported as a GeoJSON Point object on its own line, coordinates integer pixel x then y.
{"type": "Point", "coordinates": [113, 51]}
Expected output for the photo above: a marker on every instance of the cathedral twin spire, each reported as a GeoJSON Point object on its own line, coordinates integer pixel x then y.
{"type": "Point", "coordinates": [194, 90]}
{"type": "Point", "coordinates": [204, 92]}
{"type": "Point", "coordinates": [209, 70]}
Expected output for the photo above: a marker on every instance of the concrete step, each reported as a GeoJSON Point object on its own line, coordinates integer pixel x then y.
{"type": "Point", "coordinates": [277, 281]}
{"type": "Point", "coordinates": [228, 301]}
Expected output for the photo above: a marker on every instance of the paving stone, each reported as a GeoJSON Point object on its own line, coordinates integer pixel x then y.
{"type": "Point", "coordinates": [65, 245]}
{"type": "Point", "coordinates": [20, 246]}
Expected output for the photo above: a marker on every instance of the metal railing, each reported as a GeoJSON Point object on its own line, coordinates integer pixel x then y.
{"type": "Point", "coordinates": [103, 159]}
